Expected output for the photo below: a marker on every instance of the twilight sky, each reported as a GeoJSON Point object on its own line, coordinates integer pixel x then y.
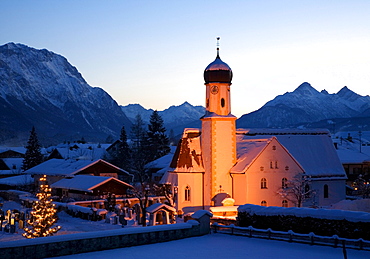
{"type": "Point", "coordinates": [154, 52]}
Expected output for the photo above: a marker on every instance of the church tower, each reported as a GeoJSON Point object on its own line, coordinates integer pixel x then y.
{"type": "Point", "coordinates": [218, 138]}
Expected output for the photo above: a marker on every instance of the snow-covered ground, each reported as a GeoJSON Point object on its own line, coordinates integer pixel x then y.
{"type": "Point", "coordinates": [209, 246]}
{"type": "Point", "coordinates": [224, 246]}
{"type": "Point", "coordinates": [70, 225]}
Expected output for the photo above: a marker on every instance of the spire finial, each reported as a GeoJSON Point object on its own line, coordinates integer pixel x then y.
{"type": "Point", "coordinates": [218, 46]}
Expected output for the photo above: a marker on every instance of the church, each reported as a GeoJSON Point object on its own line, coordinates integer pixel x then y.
{"type": "Point", "coordinates": [270, 167]}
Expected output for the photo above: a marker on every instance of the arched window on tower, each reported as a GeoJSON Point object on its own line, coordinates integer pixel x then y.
{"type": "Point", "coordinates": [263, 183]}
{"type": "Point", "coordinates": [222, 102]}
{"type": "Point", "coordinates": [326, 191]}
{"type": "Point", "coordinates": [187, 193]}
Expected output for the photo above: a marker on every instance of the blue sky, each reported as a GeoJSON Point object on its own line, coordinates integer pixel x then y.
{"type": "Point", "coordinates": [154, 52]}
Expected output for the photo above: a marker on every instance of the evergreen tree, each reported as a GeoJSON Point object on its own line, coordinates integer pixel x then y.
{"type": "Point", "coordinates": [122, 156]}
{"type": "Point", "coordinates": [138, 139]}
{"type": "Point", "coordinates": [43, 214]}
{"type": "Point", "coordinates": [33, 154]}
{"type": "Point", "coordinates": [157, 141]}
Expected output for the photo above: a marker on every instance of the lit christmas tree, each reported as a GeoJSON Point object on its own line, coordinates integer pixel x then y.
{"type": "Point", "coordinates": [43, 214]}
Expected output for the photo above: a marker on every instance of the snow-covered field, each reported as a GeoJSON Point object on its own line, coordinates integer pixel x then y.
{"type": "Point", "coordinates": [225, 246]}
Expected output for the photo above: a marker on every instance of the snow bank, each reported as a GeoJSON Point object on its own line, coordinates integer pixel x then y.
{"type": "Point", "coordinates": [353, 216]}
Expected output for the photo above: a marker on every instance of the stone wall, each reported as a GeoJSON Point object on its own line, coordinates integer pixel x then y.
{"type": "Point", "coordinates": [97, 241]}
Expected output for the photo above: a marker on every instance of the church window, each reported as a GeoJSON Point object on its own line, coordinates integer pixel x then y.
{"type": "Point", "coordinates": [326, 191]}
{"type": "Point", "coordinates": [187, 193]}
{"type": "Point", "coordinates": [222, 102]}
{"type": "Point", "coordinates": [264, 203]}
{"type": "Point", "coordinates": [271, 164]}
{"type": "Point", "coordinates": [284, 183]}
{"type": "Point", "coordinates": [263, 183]}
{"type": "Point", "coordinates": [273, 147]}
{"type": "Point", "coordinates": [261, 168]}
{"type": "Point", "coordinates": [284, 203]}
{"type": "Point", "coordinates": [207, 104]}
{"type": "Point", "coordinates": [276, 165]}
{"type": "Point", "coordinates": [287, 168]}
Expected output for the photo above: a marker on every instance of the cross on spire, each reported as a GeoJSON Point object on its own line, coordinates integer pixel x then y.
{"type": "Point", "coordinates": [218, 47]}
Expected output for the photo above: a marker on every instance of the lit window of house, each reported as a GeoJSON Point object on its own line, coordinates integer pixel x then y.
{"type": "Point", "coordinates": [264, 203]}
{"type": "Point", "coordinates": [326, 191]}
{"type": "Point", "coordinates": [263, 183]}
{"type": "Point", "coordinates": [187, 193]}
{"type": "Point", "coordinates": [284, 183]}
{"type": "Point", "coordinates": [284, 203]}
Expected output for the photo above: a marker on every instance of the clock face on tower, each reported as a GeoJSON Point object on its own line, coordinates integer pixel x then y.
{"type": "Point", "coordinates": [214, 89]}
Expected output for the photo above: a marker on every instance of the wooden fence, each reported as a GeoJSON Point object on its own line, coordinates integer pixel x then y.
{"type": "Point", "coordinates": [290, 236]}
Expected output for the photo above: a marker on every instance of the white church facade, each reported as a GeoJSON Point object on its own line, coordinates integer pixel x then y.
{"type": "Point", "coordinates": [258, 166]}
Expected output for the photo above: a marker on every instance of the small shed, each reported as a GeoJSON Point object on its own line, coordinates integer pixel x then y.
{"type": "Point", "coordinates": [161, 214]}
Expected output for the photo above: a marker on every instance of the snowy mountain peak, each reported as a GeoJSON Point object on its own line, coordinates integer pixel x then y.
{"type": "Point", "coordinates": [348, 94]}
{"type": "Point", "coordinates": [306, 89]}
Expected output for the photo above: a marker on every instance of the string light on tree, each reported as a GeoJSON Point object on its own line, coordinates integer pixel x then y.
{"type": "Point", "coordinates": [43, 214]}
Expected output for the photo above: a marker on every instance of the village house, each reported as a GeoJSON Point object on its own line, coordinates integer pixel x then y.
{"type": "Point", "coordinates": [258, 166]}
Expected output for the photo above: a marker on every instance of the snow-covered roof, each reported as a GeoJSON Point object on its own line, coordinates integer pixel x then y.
{"type": "Point", "coordinates": [63, 167]}
{"type": "Point", "coordinates": [83, 151]}
{"type": "Point", "coordinates": [312, 149]}
{"type": "Point", "coordinates": [10, 162]}
{"type": "Point", "coordinates": [163, 161]}
{"type": "Point", "coordinates": [21, 150]}
{"type": "Point", "coordinates": [17, 180]}
{"type": "Point", "coordinates": [247, 151]}
{"type": "Point", "coordinates": [200, 213]}
{"type": "Point", "coordinates": [85, 182]}
{"type": "Point", "coordinates": [157, 206]}
{"type": "Point", "coordinates": [188, 155]}
{"type": "Point", "coordinates": [349, 156]}
{"type": "Point", "coordinates": [169, 178]}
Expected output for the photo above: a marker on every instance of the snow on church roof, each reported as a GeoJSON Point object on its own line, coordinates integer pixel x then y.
{"type": "Point", "coordinates": [313, 149]}
{"type": "Point", "coordinates": [188, 155]}
{"type": "Point", "coordinates": [247, 151]}
{"type": "Point", "coordinates": [85, 182]}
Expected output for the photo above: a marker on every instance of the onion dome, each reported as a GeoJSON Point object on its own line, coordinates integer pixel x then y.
{"type": "Point", "coordinates": [218, 71]}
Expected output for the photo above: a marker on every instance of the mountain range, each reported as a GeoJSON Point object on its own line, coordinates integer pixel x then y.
{"type": "Point", "coordinates": [306, 107]}
{"type": "Point", "coordinates": [42, 89]}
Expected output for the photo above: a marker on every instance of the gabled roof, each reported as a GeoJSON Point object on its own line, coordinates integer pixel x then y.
{"type": "Point", "coordinates": [63, 167]}
{"type": "Point", "coordinates": [188, 155]}
{"type": "Point", "coordinates": [158, 206]}
{"type": "Point", "coordinates": [247, 152]}
{"type": "Point", "coordinates": [85, 183]}
{"type": "Point", "coordinates": [17, 180]}
{"type": "Point", "coordinates": [80, 152]}
{"type": "Point", "coordinates": [349, 156]}
{"type": "Point", "coordinates": [312, 149]}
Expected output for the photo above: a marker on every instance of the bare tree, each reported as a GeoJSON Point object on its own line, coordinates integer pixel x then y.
{"type": "Point", "coordinates": [297, 190]}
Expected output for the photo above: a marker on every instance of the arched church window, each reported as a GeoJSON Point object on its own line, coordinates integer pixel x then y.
{"type": "Point", "coordinates": [284, 183]}
{"type": "Point", "coordinates": [207, 103]}
{"type": "Point", "coordinates": [284, 203]}
{"type": "Point", "coordinates": [187, 193]}
{"type": "Point", "coordinates": [263, 183]}
{"type": "Point", "coordinates": [326, 191]}
{"type": "Point", "coordinates": [222, 102]}
{"type": "Point", "coordinates": [264, 203]}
